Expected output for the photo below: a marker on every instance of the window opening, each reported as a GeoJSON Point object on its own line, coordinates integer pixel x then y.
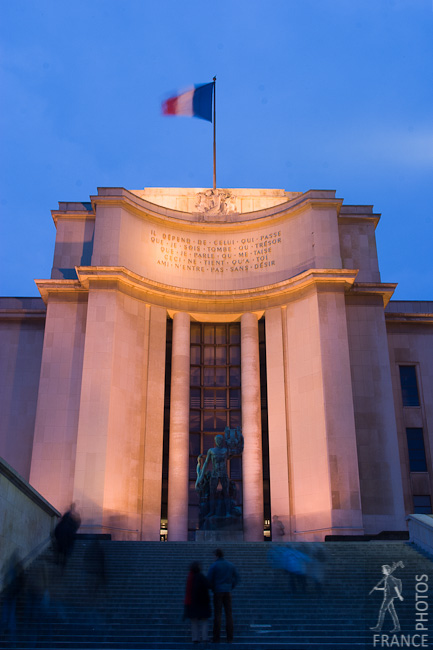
{"type": "Point", "coordinates": [416, 448]}
{"type": "Point", "coordinates": [409, 386]}
{"type": "Point", "coordinates": [422, 504]}
{"type": "Point", "coordinates": [215, 401]}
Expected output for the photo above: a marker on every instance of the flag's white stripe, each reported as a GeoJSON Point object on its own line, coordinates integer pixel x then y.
{"type": "Point", "coordinates": [184, 103]}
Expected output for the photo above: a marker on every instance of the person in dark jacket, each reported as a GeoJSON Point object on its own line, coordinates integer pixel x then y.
{"type": "Point", "coordinates": [64, 534]}
{"type": "Point", "coordinates": [197, 602]}
{"type": "Point", "coordinates": [223, 578]}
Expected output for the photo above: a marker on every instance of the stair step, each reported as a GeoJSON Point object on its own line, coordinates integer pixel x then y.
{"type": "Point", "coordinates": [140, 606]}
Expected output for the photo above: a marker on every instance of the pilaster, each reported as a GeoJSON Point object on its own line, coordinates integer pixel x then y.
{"type": "Point", "coordinates": [324, 471]}
{"type": "Point", "coordinates": [252, 469]}
{"type": "Point", "coordinates": [276, 370]}
{"type": "Point", "coordinates": [178, 464]}
{"type": "Point", "coordinates": [154, 426]}
{"type": "Point", "coordinates": [55, 437]}
{"type": "Point", "coordinates": [110, 441]}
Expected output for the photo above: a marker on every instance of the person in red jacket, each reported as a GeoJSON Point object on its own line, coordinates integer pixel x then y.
{"type": "Point", "coordinates": [197, 602]}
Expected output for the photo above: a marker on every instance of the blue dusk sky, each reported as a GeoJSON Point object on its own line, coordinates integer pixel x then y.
{"type": "Point", "coordinates": [311, 94]}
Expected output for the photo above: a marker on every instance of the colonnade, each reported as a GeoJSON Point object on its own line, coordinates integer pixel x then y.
{"type": "Point", "coordinates": [179, 430]}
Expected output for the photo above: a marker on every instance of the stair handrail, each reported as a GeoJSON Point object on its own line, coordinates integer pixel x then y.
{"type": "Point", "coordinates": [318, 530]}
{"type": "Point", "coordinates": [129, 530]}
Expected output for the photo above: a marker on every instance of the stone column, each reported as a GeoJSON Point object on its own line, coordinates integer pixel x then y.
{"type": "Point", "coordinates": [154, 425]}
{"type": "Point", "coordinates": [56, 427]}
{"type": "Point", "coordinates": [276, 369]}
{"type": "Point", "coordinates": [110, 439]}
{"type": "Point", "coordinates": [381, 494]}
{"type": "Point", "coordinates": [323, 455]}
{"type": "Point", "coordinates": [252, 471]}
{"type": "Point", "coordinates": [178, 463]}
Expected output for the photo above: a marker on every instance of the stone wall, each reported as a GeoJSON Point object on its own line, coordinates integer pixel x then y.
{"type": "Point", "coordinates": [421, 531]}
{"type": "Point", "coordinates": [376, 433]}
{"type": "Point", "coordinates": [409, 334]}
{"type": "Point", "coordinates": [58, 406]}
{"type": "Point", "coordinates": [26, 519]}
{"type": "Point", "coordinates": [22, 323]}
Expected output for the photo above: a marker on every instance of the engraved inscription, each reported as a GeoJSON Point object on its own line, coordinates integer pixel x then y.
{"type": "Point", "coordinates": [214, 255]}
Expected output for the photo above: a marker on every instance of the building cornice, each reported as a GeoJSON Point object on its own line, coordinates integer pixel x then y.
{"type": "Point", "coordinates": [67, 290]}
{"type": "Point", "coordinates": [73, 210]}
{"type": "Point", "coordinates": [350, 219]}
{"type": "Point", "coordinates": [71, 214]}
{"type": "Point", "coordinates": [131, 201]}
{"type": "Point", "coordinates": [177, 298]}
{"type": "Point", "coordinates": [23, 314]}
{"type": "Point", "coordinates": [360, 214]}
{"type": "Point", "coordinates": [120, 197]}
{"type": "Point", "coordinates": [233, 300]}
{"type": "Point", "coordinates": [416, 319]}
{"type": "Point", "coordinates": [383, 289]}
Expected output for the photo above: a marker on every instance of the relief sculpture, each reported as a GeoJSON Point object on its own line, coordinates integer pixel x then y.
{"type": "Point", "coordinates": [215, 202]}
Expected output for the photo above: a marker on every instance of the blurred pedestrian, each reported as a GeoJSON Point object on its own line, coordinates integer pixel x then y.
{"type": "Point", "coordinates": [64, 534]}
{"type": "Point", "coordinates": [316, 569]}
{"type": "Point", "coordinates": [37, 601]}
{"type": "Point", "coordinates": [223, 578]}
{"type": "Point", "coordinates": [293, 561]}
{"type": "Point", "coordinates": [13, 574]}
{"type": "Point", "coordinates": [277, 527]}
{"type": "Point", "coordinates": [94, 566]}
{"type": "Point", "coordinates": [197, 602]}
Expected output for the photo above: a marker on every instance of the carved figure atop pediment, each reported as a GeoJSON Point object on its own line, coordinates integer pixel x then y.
{"type": "Point", "coordinates": [215, 202]}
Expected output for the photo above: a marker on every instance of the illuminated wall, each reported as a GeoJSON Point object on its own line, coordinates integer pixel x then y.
{"type": "Point", "coordinates": [305, 267]}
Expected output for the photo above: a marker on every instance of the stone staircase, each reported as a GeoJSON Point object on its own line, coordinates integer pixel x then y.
{"type": "Point", "coordinates": [141, 605]}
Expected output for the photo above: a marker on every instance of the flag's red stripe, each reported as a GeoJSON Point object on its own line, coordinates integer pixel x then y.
{"type": "Point", "coordinates": [169, 106]}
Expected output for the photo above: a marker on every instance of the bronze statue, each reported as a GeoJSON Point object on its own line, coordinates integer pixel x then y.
{"type": "Point", "coordinates": [227, 445]}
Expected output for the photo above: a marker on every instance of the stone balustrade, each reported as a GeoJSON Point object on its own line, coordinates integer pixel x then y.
{"type": "Point", "coordinates": [26, 518]}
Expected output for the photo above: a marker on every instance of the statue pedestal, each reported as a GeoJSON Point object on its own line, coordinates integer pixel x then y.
{"type": "Point", "coordinates": [217, 536]}
{"type": "Point", "coordinates": [220, 529]}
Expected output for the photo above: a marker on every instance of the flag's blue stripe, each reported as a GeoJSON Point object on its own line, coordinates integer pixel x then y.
{"type": "Point", "coordinates": [202, 102]}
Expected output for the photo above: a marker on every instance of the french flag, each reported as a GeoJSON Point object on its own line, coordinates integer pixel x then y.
{"type": "Point", "coordinates": [195, 102]}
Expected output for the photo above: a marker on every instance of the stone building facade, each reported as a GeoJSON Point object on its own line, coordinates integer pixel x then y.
{"type": "Point", "coordinates": [172, 313]}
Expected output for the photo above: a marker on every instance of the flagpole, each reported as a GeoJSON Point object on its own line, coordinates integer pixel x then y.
{"type": "Point", "coordinates": [214, 133]}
